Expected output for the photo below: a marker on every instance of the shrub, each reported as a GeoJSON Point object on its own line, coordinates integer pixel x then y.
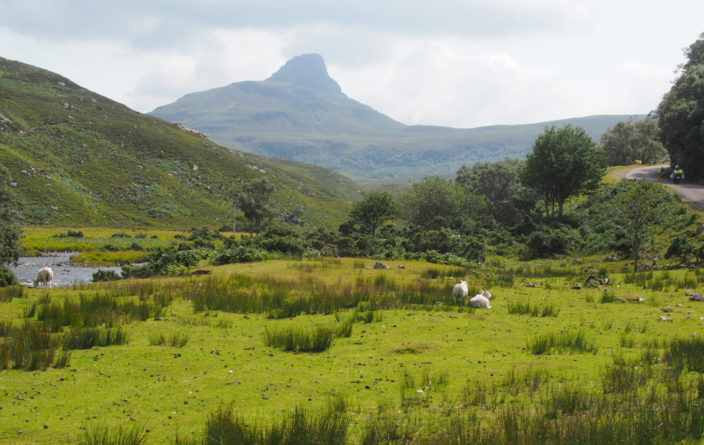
{"type": "Point", "coordinates": [7, 278]}
{"type": "Point", "coordinates": [239, 254]}
{"type": "Point", "coordinates": [164, 262]}
{"type": "Point", "coordinates": [120, 235]}
{"type": "Point", "coordinates": [547, 242]}
{"type": "Point", "coordinates": [105, 275]}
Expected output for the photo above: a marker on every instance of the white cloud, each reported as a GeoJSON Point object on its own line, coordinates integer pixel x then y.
{"type": "Point", "coordinates": [452, 62]}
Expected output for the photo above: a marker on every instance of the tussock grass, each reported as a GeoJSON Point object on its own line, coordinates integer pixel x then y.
{"type": "Point", "coordinates": [176, 340]}
{"type": "Point", "coordinates": [298, 427]}
{"type": "Point", "coordinates": [28, 348]}
{"type": "Point", "coordinates": [9, 292]}
{"type": "Point", "coordinates": [281, 298]}
{"type": "Point", "coordinates": [96, 310]}
{"type": "Point", "coordinates": [87, 338]}
{"type": "Point", "coordinates": [121, 435]}
{"type": "Point", "coordinates": [300, 339]}
{"type": "Point", "coordinates": [528, 380]}
{"type": "Point", "coordinates": [561, 342]}
{"type": "Point", "coordinates": [685, 353]}
{"type": "Point", "coordinates": [522, 308]}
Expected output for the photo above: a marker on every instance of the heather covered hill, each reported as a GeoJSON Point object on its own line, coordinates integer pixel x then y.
{"type": "Point", "coordinates": [301, 113]}
{"type": "Point", "coordinates": [77, 158]}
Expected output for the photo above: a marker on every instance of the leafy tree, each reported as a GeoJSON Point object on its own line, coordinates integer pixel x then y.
{"type": "Point", "coordinates": [681, 113]}
{"type": "Point", "coordinates": [373, 210]}
{"type": "Point", "coordinates": [627, 142]}
{"type": "Point", "coordinates": [641, 208]}
{"type": "Point", "coordinates": [564, 161]}
{"type": "Point", "coordinates": [436, 203]}
{"type": "Point", "coordinates": [498, 182]}
{"type": "Point", "coordinates": [254, 200]}
{"type": "Point", "coordinates": [10, 229]}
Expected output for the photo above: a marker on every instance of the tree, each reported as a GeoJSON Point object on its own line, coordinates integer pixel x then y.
{"type": "Point", "coordinates": [681, 113]}
{"type": "Point", "coordinates": [373, 210]}
{"type": "Point", "coordinates": [640, 208]}
{"type": "Point", "coordinates": [564, 162]}
{"type": "Point", "coordinates": [627, 142]}
{"type": "Point", "coordinates": [436, 203]}
{"type": "Point", "coordinates": [498, 182]}
{"type": "Point", "coordinates": [10, 229]}
{"type": "Point", "coordinates": [254, 200]}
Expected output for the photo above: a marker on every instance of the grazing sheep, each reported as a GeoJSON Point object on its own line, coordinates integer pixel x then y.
{"type": "Point", "coordinates": [460, 290]}
{"type": "Point", "coordinates": [480, 301]}
{"type": "Point", "coordinates": [44, 277]}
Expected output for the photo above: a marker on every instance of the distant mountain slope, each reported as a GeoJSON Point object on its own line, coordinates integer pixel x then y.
{"type": "Point", "coordinates": [77, 158]}
{"type": "Point", "coordinates": [301, 113]}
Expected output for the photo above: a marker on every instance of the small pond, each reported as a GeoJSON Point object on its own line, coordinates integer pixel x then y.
{"type": "Point", "coordinates": [65, 273]}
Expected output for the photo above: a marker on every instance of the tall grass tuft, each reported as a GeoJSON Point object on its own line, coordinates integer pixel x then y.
{"type": "Point", "coordinates": [93, 311]}
{"type": "Point", "coordinates": [86, 338]}
{"type": "Point", "coordinates": [177, 339]}
{"type": "Point", "coordinates": [28, 348]}
{"type": "Point", "coordinates": [561, 342]}
{"type": "Point", "coordinates": [548, 310]}
{"type": "Point", "coordinates": [120, 435]}
{"type": "Point", "coordinates": [685, 353]}
{"type": "Point", "coordinates": [299, 339]}
{"type": "Point", "coordinates": [9, 292]}
{"type": "Point", "coordinates": [298, 427]}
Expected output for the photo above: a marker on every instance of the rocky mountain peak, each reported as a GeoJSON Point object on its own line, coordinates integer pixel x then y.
{"type": "Point", "coordinates": [307, 70]}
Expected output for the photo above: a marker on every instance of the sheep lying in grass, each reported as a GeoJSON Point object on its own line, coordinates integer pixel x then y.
{"type": "Point", "coordinates": [44, 277]}
{"type": "Point", "coordinates": [460, 291]}
{"type": "Point", "coordinates": [479, 301]}
{"type": "Point", "coordinates": [487, 294]}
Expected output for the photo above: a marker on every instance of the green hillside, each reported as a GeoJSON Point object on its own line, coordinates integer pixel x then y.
{"type": "Point", "coordinates": [77, 158]}
{"type": "Point", "coordinates": [301, 113]}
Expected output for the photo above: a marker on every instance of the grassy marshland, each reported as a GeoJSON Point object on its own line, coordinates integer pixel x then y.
{"type": "Point", "coordinates": [393, 359]}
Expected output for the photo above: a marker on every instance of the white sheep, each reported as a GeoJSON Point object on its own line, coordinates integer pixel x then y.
{"type": "Point", "coordinates": [460, 291]}
{"type": "Point", "coordinates": [487, 294]}
{"type": "Point", "coordinates": [480, 301]}
{"type": "Point", "coordinates": [44, 277]}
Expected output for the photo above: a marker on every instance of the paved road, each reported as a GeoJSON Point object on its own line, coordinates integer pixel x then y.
{"type": "Point", "coordinates": [691, 193]}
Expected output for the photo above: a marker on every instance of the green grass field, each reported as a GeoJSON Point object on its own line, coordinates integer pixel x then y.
{"type": "Point", "coordinates": [420, 362]}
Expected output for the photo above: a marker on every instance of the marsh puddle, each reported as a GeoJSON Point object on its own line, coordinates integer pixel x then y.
{"type": "Point", "coordinates": [65, 274]}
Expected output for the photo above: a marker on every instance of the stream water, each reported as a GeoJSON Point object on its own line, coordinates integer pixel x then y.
{"type": "Point", "coordinates": [65, 274]}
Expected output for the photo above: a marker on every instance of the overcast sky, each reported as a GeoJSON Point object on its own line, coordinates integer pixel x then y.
{"type": "Point", "coordinates": [462, 63]}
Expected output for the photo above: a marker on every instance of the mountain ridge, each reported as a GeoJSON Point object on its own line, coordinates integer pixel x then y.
{"type": "Point", "coordinates": [320, 126]}
{"type": "Point", "coordinates": [78, 158]}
